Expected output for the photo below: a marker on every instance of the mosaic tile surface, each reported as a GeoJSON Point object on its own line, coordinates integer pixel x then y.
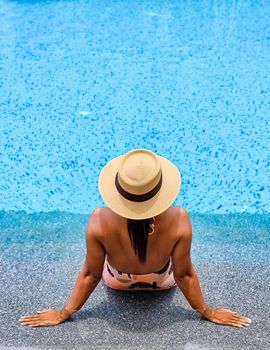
{"type": "Point", "coordinates": [84, 81]}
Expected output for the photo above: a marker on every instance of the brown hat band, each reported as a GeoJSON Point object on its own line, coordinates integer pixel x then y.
{"type": "Point", "coordinates": [137, 197]}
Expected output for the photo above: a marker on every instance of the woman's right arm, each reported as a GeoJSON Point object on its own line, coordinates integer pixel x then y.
{"type": "Point", "coordinates": [84, 286]}
{"type": "Point", "coordinates": [88, 279]}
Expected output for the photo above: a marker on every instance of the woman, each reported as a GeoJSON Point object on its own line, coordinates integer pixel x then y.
{"type": "Point", "coordinates": [139, 242]}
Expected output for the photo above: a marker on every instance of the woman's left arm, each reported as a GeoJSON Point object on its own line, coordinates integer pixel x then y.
{"type": "Point", "coordinates": [188, 282]}
{"type": "Point", "coordinates": [190, 287]}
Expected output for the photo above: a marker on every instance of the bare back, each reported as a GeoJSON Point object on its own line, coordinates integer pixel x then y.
{"type": "Point", "coordinates": [120, 253]}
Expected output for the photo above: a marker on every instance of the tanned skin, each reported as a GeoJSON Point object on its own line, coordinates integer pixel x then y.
{"type": "Point", "coordinates": [107, 233]}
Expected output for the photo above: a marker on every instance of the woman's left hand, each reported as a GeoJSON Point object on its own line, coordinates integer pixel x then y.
{"type": "Point", "coordinates": [226, 317]}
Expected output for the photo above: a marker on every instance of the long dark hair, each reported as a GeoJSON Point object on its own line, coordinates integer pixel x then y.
{"type": "Point", "coordinates": [138, 233]}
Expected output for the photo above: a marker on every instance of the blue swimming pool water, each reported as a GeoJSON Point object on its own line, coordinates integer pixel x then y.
{"type": "Point", "coordinates": [85, 81]}
{"type": "Point", "coordinates": [60, 237]}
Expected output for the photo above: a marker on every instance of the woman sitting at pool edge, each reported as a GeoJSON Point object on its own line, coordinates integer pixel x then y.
{"type": "Point", "coordinates": [139, 242]}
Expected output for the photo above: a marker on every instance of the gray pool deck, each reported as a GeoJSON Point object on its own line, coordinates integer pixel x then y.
{"type": "Point", "coordinates": [140, 320]}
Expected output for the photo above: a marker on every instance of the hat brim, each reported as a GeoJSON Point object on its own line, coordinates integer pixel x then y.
{"type": "Point", "coordinates": [171, 184]}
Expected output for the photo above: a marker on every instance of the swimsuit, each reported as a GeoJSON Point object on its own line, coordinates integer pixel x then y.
{"type": "Point", "coordinates": [160, 280]}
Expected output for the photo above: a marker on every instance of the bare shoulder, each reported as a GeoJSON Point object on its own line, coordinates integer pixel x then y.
{"type": "Point", "coordinates": [182, 265]}
{"type": "Point", "coordinates": [94, 225]}
{"type": "Point", "coordinates": [184, 227]}
{"type": "Point", "coordinates": [185, 219]}
{"type": "Point", "coordinates": [101, 220]}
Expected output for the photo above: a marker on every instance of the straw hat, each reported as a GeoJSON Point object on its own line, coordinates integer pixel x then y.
{"type": "Point", "coordinates": [139, 184]}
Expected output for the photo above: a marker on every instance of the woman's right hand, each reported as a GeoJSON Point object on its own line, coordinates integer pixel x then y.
{"type": "Point", "coordinates": [49, 317]}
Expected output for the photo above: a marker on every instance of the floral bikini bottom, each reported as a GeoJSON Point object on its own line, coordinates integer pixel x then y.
{"type": "Point", "coordinates": [160, 280]}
